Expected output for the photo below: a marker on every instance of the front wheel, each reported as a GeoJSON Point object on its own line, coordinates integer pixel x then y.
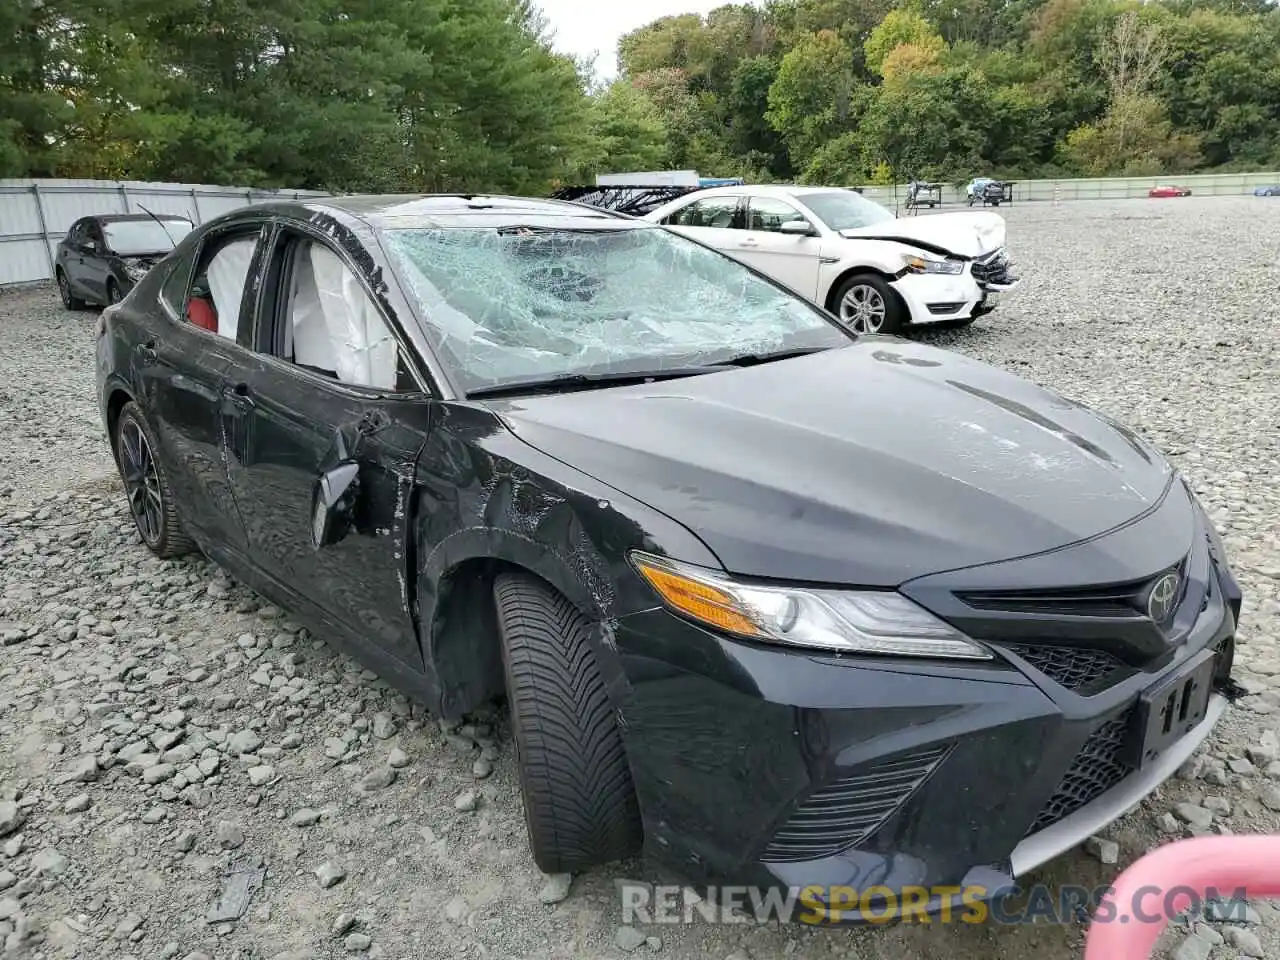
{"type": "Point", "coordinates": [113, 292]}
{"type": "Point", "coordinates": [147, 487]}
{"type": "Point", "coordinates": [865, 303]}
{"type": "Point", "coordinates": [579, 801]}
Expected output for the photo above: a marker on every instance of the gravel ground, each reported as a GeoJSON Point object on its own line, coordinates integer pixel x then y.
{"type": "Point", "coordinates": [163, 729]}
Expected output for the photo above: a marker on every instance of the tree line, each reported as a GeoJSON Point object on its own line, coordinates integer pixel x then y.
{"type": "Point", "coordinates": [435, 95]}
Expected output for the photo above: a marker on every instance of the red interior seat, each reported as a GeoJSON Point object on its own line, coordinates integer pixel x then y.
{"type": "Point", "coordinates": [201, 313]}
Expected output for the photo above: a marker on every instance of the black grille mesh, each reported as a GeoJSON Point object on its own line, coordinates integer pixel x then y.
{"type": "Point", "coordinates": [850, 809]}
{"type": "Point", "coordinates": [1077, 669]}
{"type": "Point", "coordinates": [996, 269]}
{"type": "Point", "coordinates": [1098, 767]}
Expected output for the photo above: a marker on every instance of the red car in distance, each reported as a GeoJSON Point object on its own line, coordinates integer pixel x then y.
{"type": "Point", "coordinates": [1169, 191]}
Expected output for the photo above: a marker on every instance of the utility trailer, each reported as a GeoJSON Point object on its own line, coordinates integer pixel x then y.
{"type": "Point", "coordinates": [631, 200]}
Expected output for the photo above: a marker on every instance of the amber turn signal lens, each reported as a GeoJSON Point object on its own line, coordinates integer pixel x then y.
{"type": "Point", "coordinates": [700, 601]}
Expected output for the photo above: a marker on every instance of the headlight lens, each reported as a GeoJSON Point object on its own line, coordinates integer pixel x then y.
{"type": "Point", "coordinates": [1217, 549]}
{"type": "Point", "coordinates": [135, 271]}
{"type": "Point", "coordinates": [930, 265]}
{"type": "Point", "coordinates": [843, 621]}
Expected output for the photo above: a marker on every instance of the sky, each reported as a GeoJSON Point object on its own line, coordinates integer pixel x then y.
{"type": "Point", "coordinates": [585, 26]}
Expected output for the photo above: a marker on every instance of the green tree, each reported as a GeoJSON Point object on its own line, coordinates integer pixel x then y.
{"type": "Point", "coordinates": [626, 133]}
{"type": "Point", "coordinates": [900, 28]}
{"type": "Point", "coordinates": [815, 97]}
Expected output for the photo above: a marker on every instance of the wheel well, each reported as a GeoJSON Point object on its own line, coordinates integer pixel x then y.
{"type": "Point", "coordinates": [466, 642]}
{"type": "Point", "coordinates": [830, 305]}
{"type": "Point", "coordinates": [465, 639]}
{"type": "Point", "coordinates": [115, 403]}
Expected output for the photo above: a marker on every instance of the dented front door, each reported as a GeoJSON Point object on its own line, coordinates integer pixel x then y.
{"type": "Point", "coordinates": [283, 429]}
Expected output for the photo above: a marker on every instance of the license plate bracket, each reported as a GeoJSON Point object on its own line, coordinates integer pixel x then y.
{"type": "Point", "coordinates": [1166, 713]}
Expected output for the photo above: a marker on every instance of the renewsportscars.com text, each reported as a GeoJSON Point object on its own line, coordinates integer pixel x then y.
{"type": "Point", "coordinates": [645, 903]}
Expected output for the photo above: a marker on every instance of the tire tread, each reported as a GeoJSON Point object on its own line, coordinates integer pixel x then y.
{"type": "Point", "coordinates": [580, 803]}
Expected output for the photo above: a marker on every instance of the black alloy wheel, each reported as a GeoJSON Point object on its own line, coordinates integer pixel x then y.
{"type": "Point", "coordinates": [146, 487]}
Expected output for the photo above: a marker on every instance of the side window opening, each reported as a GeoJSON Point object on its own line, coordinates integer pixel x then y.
{"type": "Point", "coordinates": [719, 213]}
{"type": "Point", "coordinates": [173, 291]}
{"type": "Point", "coordinates": [329, 325]}
{"type": "Point", "coordinates": [217, 290]}
{"type": "Point", "coordinates": [769, 214]}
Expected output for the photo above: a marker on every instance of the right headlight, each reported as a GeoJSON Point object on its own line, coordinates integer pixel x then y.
{"type": "Point", "coordinates": [930, 265]}
{"type": "Point", "coordinates": [879, 622]}
{"type": "Point", "coordinates": [1217, 549]}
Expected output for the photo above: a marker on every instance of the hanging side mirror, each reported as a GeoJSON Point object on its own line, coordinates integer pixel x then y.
{"type": "Point", "coordinates": [333, 503]}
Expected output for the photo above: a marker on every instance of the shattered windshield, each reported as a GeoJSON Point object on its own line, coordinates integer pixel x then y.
{"type": "Point", "coordinates": [131, 237]}
{"type": "Point", "coordinates": [846, 209]}
{"type": "Point", "coordinates": [514, 303]}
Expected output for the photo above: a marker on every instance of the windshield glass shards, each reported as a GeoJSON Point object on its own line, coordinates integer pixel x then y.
{"type": "Point", "coordinates": [517, 303]}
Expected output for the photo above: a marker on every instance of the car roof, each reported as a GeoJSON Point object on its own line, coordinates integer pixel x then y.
{"type": "Point", "coordinates": [763, 190]}
{"type": "Point", "coordinates": [473, 210]}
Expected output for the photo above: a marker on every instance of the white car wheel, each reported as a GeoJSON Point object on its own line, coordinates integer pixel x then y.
{"type": "Point", "coordinates": [865, 304]}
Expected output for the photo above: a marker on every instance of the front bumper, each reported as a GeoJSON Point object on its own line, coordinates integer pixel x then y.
{"type": "Point", "coordinates": [774, 768]}
{"type": "Point", "coordinates": [939, 298]}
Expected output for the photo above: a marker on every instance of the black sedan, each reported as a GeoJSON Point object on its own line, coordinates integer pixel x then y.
{"type": "Point", "coordinates": [776, 603]}
{"type": "Point", "coordinates": [102, 257]}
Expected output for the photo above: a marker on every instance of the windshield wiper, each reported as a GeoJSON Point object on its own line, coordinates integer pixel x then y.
{"type": "Point", "coordinates": [588, 381]}
{"type": "Point", "coordinates": [751, 359]}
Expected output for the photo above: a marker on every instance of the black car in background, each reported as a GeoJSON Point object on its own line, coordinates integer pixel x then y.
{"type": "Point", "coordinates": [497, 446]}
{"type": "Point", "coordinates": [102, 257]}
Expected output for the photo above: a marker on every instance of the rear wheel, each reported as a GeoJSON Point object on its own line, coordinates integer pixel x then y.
{"type": "Point", "coordinates": [69, 300]}
{"type": "Point", "coordinates": [866, 304]}
{"type": "Point", "coordinates": [146, 486]}
{"type": "Point", "coordinates": [579, 801]}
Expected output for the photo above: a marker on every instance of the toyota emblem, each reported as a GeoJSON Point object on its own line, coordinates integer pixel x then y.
{"type": "Point", "coordinates": [1162, 598]}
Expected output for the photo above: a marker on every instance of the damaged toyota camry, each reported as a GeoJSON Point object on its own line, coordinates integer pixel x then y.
{"type": "Point", "coordinates": [775, 603]}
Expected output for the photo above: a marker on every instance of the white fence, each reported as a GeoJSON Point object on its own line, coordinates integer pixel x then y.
{"type": "Point", "coordinates": [35, 214]}
{"type": "Point", "coordinates": [1107, 188]}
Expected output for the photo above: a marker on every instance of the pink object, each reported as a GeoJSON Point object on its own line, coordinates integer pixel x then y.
{"type": "Point", "coordinates": [1217, 866]}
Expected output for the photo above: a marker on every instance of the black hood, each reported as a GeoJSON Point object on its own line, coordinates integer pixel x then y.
{"type": "Point", "coordinates": [866, 465]}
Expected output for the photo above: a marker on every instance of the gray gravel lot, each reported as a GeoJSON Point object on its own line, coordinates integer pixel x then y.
{"type": "Point", "coordinates": [160, 725]}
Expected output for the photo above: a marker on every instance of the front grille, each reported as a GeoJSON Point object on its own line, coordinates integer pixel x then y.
{"type": "Point", "coordinates": [850, 809]}
{"type": "Point", "coordinates": [1103, 600]}
{"type": "Point", "coordinates": [1083, 671]}
{"type": "Point", "coordinates": [1098, 767]}
{"type": "Point", "coordinates": [993, 268]}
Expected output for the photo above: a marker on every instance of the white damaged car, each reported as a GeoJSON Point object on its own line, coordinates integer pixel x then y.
{"type": "Point", "coordinates": [879, 273]}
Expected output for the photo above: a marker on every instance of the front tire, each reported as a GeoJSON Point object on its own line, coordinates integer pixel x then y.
{"type": "Point", "coordinates": [113, 292]}
{"type": "Point", "coordinates": [865, 303]}
{"type": "Point", "coordinates": [146, 486]}
{"type": "Point", "coordinates": [69, 300]}
{"type": "Point", "coordinates": [579, 800]}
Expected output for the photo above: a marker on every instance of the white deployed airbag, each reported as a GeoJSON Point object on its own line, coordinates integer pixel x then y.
{"type": "Point", "coordinates": [227, 272]}
{"type": "Point", "coordinates": [363, 350]}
